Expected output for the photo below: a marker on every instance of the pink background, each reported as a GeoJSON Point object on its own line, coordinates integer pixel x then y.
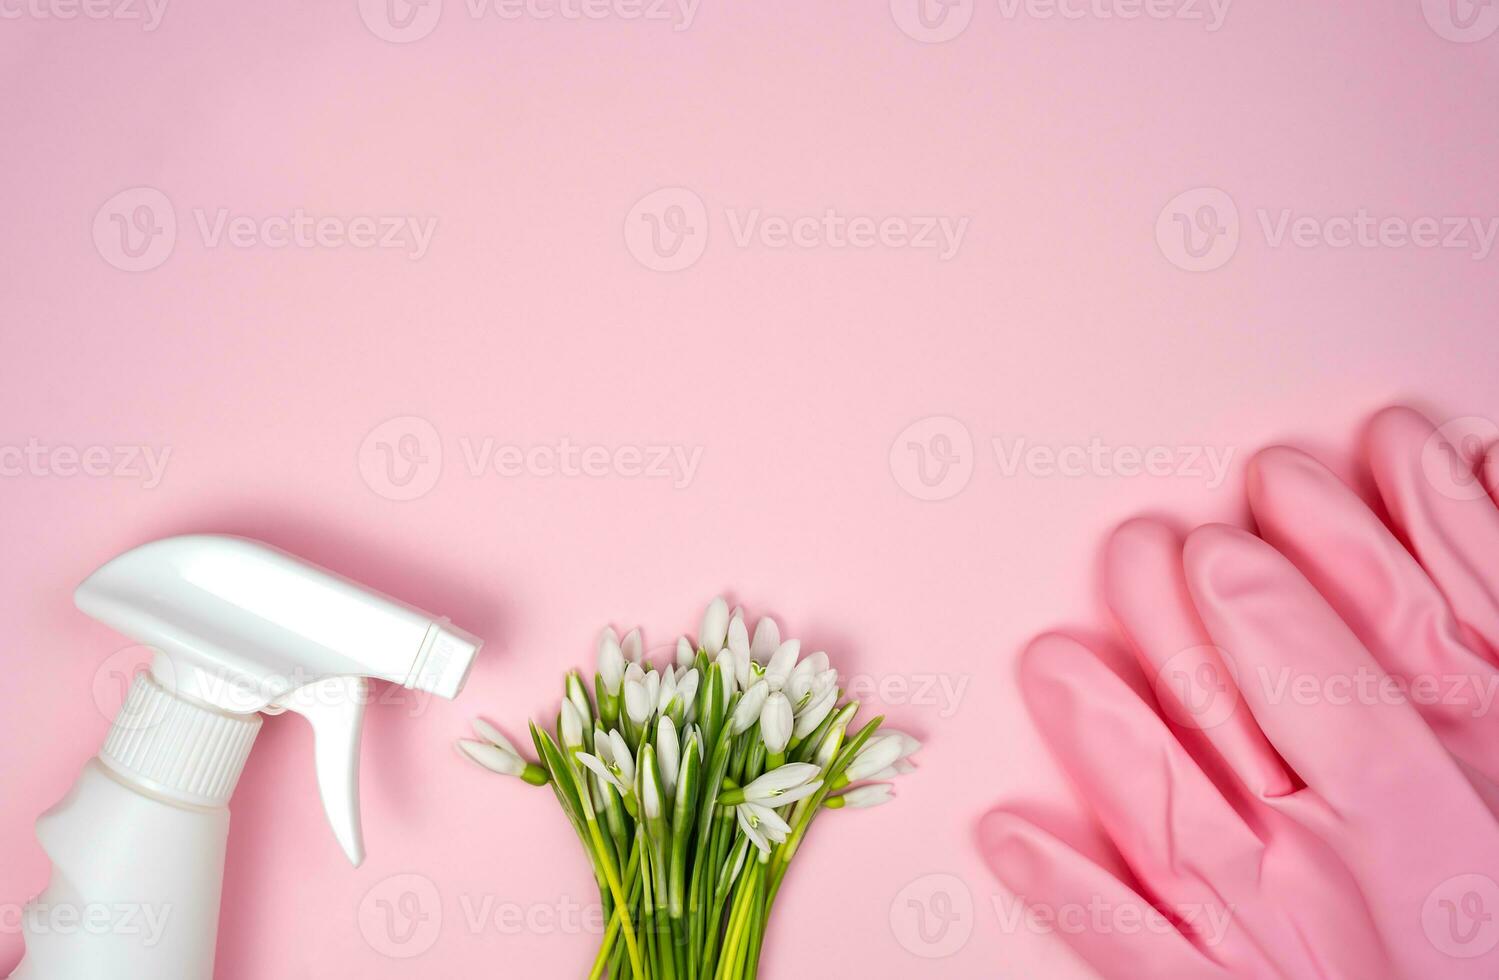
{"type": "Point", "coordinates": [268, 372]}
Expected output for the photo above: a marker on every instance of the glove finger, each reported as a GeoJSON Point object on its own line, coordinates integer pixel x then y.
{"type": "Point", "coordinates": [1147, 591]}
{"type": "Point", "coordinates": [1367, 576]}
{"type": "Point", "coordinates": [1183, 841]}
{"type": "Point", "coordinates": [1303, 673]}
{"type": "Point", "coordinates": [1398, 809]}
{"type": "Point", "coordinates": [1441, 508]}
{"type": "Point", "coordinates": [1090, 905]}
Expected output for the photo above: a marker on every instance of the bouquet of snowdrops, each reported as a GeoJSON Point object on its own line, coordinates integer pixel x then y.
{"type": "Point", "coordinates": [691, 787]}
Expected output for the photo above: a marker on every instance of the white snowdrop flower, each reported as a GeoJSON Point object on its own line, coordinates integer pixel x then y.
{"type": "Point", "coordinates": [710, 637]}
{"type": "Point", "coordinates": [799, 684]}
{"type": "Point", "coordinates": [762, 825]}
{"type": "Point", "coordinates": [813, 714]}
{"type": "Point", "coordinates": [578, 695]}
{"type": "Point", "coordinates": [687, 689]}
{"type": "Point", "coordinates": [745, 671]}
{"type": "Point", "coordinates": [782, 663]}
{"type": "Point", "coordinates": [738, 637]}
{"type": "Point", "coordinates": [776, 723]}
{"type": "Point", "coordinates": [632, 646]}
{"type": "Point", "coordinates": [494, 736]}
{"type": "Point", "coordinates": [747, 712]}
{"type": "Point", "coordinates": [621, 756]}
{"type": "Point", "coordinates": [864, 797]}
{"type": "Point", "coordinates": [666, 689]}
{"type": "Point", "coordinates": [601, 769]}
{"type": "Point", "coordinates": [571, 726]}
{"type": "Point", "coordinates": [650, 788]}
{"type": "Point", "coordinates": [877, 753]}
{"type": "Point", "coordinates": [614, 763]}
{"type": "Point", "coordinates": [686, 656]}
{"type": "Point", "coordinates": [640, 697]}
{"type": "Point", "coordinates": [611, 662]}
{"type": "Point", "coordinates": [725, 662]}
{"type": "Point", "coordinates": [901, 767]}
{"type": "Point", "coordinates": [909, 744]}
{"type": "Point", "coordinates": [831, 743]}
{"type": "Point", "coordinates": [767, 639]}
{"type": "Point", "coordinates": [784, 784]}
{"type": "Point", "coordinates": [668, 753]}
{"type": "Point", "coordinates": [495, 758]}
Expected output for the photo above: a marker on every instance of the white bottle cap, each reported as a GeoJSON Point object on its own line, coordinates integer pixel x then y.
{"type": "Point", "coordinates": [176, 748]}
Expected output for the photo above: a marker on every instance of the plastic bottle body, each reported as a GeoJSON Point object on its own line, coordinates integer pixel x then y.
{"type": "Point", "coordinates": [135, 889]}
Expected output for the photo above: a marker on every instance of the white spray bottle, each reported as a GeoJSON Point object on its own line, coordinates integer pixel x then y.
{"type": "Point", "coordinates": [240, 629]}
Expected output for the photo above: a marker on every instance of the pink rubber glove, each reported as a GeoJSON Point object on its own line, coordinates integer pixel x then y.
{"type": "Point", "coordinates": [1276, 795]}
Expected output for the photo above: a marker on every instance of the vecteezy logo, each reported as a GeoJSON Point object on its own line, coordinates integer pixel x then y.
{"type": "Point", "coordinates": [932, 458]}
{"type": "Point", "coordinates": [114, 678]}
{"type": "Point", "coordinates": [136, 229]}
{"type": "Point", "coordinates": [400, 21]}
{"type": "Point", "coordinates": [932, 21]}
{"type": "Point", "coordinates": [401, 916]}
{"type": "Point", "coordinates": [1463, 21]}
{"type": "Point", "coordinates": [932, 917]}
{"type": "Point", "coordinates": [1459, 916]}
{"type": "Point", "coordinates": [1198, 687]}
{"type": "Point", "coordinates": [1199, 230]}
{"type": "Point", "coordinates": [401, 458]}
{"type": "Point", "coordinates": [1454, 455]}
{"type": "Point", "coordinates": [667, 230]}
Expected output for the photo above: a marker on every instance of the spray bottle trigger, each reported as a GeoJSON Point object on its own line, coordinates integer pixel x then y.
{"type": "Point", "coordinates": [335, 709]}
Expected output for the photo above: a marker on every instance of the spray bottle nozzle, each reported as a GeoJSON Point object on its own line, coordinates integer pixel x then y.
{"type": "Point", "coordinates": [240, 627]}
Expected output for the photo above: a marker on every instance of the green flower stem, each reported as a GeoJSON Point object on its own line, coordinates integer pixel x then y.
{"type": "Point", "coordinates": [705, 862]}
{"type": "Point", "coordinates": [730, 966]}
{"type": "Point", "coordinates": [681, 828]}
{"type": "Point", "coordinates": [611, 932]}
{"type": "Point", "coordinates": [658, 927]}
{"type": "Point", "coordinates": [679, 947]}
{"type": "Point", "coordinates": [713, 924]}
{"type": "Point", "coordinates": [725, 968]}
{"type": "Point", "coordinates": [695, 920]}
{"type": "Point", "coordinates": [615, 817]}
{"type": "Point", "coordinates": [608, 704]}
{"type": "Point", "coordinates": [761, 915]}
{"type": "Point", "coordinates": [754, 763]}
{"type": "Point", "coordinates": [609, 950]}
{"type": "Point", "coordinates": [618, 891]}
{"type": "Point", "coordinates": [647, 916]}
{"type": "Point", "coordinates": [601, 961]}
{"type": "Point", "coordinates": [637, 891]}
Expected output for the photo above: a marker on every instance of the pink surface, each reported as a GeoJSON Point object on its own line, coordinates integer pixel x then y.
{"type": "Point", "coordinates": [1067, 153]}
